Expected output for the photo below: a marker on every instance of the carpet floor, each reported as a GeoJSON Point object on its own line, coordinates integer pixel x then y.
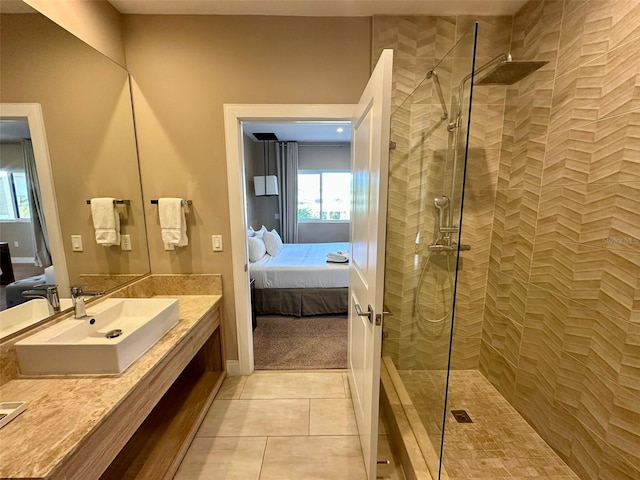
{"type": "Point", "coordinates": [306, 343]}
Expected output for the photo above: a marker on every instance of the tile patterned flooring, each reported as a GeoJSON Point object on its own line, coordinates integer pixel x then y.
{"type": "Point", "coordinates": [278, 425]}
{"type": "Point", "coordinates": [499, 444]}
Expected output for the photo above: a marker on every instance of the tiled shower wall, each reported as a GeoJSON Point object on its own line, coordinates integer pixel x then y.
{"type": "Point", "coordinates": [561, 331]}
{"type": "Point", "coordinates": [420, 170]}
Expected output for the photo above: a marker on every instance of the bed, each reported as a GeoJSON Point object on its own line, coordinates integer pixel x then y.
{"type": "Point", "coordinates": [300, 282]}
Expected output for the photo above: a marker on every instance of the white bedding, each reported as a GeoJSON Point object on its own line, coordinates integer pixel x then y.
{"type": "Point", "coordinates": [301, 265]}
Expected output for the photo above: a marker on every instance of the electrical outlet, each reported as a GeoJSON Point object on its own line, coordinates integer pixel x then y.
{"type": "Point", "coordinates": [216, 243]}
{"type": "Point", "coordinates": [125, 242]}
{"type": "Point", "coordinates": [76, 243]}
{"type": "Point", "coordinates": [16, 244]}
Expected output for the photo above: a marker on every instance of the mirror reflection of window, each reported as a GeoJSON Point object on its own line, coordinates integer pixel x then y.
{"type": "Point", "coordinates": [14, 199]}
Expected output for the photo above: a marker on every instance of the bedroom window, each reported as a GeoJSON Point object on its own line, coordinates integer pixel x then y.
{"type": "Point", "coordinates": [14, 198]}
{"type": "Point", "coordinates": [324, 196]}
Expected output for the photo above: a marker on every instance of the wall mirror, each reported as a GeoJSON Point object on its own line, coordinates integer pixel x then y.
{"type": "Point", "coordinates": [88, 121]}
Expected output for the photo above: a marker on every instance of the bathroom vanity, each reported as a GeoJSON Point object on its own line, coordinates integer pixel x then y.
{"type": "Point", "coordinates": [138, 424]}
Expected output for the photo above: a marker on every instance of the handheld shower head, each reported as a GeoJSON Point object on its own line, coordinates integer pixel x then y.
{"type": "Point", "coordinates": [441, 204]}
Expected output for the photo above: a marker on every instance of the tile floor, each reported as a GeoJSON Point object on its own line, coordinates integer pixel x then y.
{"type": "Point", "coordinates": [498, 444]}
{"type": "Point", "coordinates": [278, 425]}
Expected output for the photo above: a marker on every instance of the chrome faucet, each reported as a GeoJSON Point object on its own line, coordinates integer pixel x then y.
{"type": "Point", "coordinates": [77, 297]}
{"type": "Point", "coordinates": [48, 292]}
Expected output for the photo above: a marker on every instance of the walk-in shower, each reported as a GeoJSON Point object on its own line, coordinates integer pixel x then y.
{"type": "Point", "coordinates": [431, 132]}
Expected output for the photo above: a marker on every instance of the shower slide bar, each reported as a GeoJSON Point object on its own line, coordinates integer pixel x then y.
{"type": "Point", "coordinates": [434, 74]}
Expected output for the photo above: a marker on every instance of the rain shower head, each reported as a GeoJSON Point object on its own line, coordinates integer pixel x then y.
{"type": "Point", "coordinates": [508, 72]}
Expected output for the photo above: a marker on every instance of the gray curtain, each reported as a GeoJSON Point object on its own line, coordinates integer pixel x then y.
{"type": "Point", "coordinates": [42, 254]}
{"type": "Point", "coordinates": [287, 161]}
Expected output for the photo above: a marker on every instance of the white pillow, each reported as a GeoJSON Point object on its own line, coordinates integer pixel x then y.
{"type": "Point", "coordinates": [251, 232]}
{"type": "Point", "coordinates": [273, 242]}
{"type": "Point", "coordinates": [260, 233]}
{"type": "Point", "coordinates": [257, 249]}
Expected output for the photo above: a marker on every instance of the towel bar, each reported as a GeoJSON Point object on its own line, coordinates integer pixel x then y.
{"type": "Point", "coordinates": [184, 202]}
{"type": "Point", "coordinates": [117, 201]}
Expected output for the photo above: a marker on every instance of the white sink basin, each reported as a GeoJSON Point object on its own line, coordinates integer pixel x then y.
{"type": "Point", "coordinates": [26, 314]}
{"type": "Point", "coordinates": [111, 337]}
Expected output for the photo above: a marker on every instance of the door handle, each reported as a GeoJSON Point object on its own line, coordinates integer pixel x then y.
{"type": "Point", "coordinates": [368, 313]}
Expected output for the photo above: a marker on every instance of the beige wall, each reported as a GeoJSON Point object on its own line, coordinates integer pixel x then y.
{"type": "Point", "coordinates": [95, 22]}
{"type": "Point", "coordinates": [323, 232]}
{"type": "Point", "coordinates": [18, 232]}
{"type": "Point", "coordinates": [89, 128]}
{"type": "Point", "coordinates": [560, 333]}
{"type": "Point", "coordinates": [184, 69]}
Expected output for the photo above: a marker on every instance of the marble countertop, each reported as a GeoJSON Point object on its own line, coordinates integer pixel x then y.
{"type": "Point", "coordinates": [61, 411]}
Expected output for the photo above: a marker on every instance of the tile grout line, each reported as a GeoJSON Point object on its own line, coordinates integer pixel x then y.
{"type": "Point", "coordinates": [264, 454]}
{"type": "Point", "coordinates": [309, 418]}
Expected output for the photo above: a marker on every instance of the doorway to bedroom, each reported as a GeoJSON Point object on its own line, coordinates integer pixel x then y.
{"type": "Point", "coordinates": [298, 198]}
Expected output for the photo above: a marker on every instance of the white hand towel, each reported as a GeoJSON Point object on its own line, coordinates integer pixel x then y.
{"type": "Point", "coordinates": [173, 225]}
{"type": "Point", "coordinates": [338, 257]}
{"type": "Point", "coordinates": [106, 221]}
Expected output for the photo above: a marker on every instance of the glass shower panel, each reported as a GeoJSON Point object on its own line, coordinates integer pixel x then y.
{"type": "Point", "coordinates": [429, 130]}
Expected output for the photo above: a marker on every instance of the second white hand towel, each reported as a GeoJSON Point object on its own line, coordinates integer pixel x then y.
{"type": "Point", "coordinates": [173, 225]}
{"type": "Point", "coordinates": [106, 221]}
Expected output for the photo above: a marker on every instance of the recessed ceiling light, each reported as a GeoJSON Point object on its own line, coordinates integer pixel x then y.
{"type": "Point", "coordinates": [339, 129]}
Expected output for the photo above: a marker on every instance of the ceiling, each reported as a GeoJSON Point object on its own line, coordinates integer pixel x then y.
{"type": "Point", "coordinates": [321, 8]}
{"type": "Point", "coordinates": [304, 132]}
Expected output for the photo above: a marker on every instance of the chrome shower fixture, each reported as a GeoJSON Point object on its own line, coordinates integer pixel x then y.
{"type": "Point", "coordinates": [442, 205]}
{"type": "Point", "coordinates": [433, 74]}
{"type": "Point", "coordinates": [507, 71]}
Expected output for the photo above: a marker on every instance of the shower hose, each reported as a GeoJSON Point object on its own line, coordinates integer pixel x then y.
{"type": "Point", "coordinates": [419, 288]}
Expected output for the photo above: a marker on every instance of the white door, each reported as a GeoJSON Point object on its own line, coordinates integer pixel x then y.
{"type": "Point", "coordinates": [370, 165]}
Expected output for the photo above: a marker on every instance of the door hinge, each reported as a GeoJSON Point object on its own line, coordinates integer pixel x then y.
{"type": "Point", "coordinates": [392, 145]}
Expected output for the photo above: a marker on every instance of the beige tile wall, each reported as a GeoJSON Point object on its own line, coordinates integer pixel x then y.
{"type": "Point", "coordinates": [420, 170]}
{"type": "Point", "coordinates": [561, 335]}
{"type": "Point", "coordinates": [551, 206]}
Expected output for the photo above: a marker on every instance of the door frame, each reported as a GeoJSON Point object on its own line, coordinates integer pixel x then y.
{"type": "Point", "coordinates": [33, 114]}
{"type": "Point", "coordinates": [234, 115]}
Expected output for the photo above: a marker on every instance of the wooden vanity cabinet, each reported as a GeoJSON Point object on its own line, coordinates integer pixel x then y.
{"type": "Point", "coordinates": [185, 388]}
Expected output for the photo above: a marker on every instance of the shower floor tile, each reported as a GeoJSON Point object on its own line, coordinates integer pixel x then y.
{"type": "Point", "coordinates": [498, 444]}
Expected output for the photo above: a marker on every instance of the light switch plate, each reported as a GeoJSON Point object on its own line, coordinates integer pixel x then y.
{"type": "Point", "coordinates": [216, 243]}
{"type": "Point", "coordinates": [125, 242]}
{"type": "Point", "coordinates": [76, 243]}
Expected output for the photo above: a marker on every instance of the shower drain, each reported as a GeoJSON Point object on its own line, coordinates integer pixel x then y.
{"type": "Point", "coordinates": [461, 416]}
